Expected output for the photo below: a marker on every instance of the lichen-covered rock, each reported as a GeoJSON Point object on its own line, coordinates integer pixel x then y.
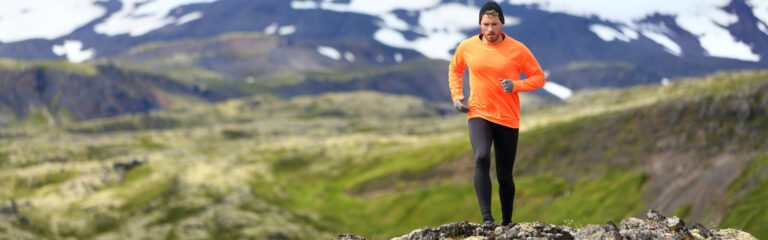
{"type": "Point", "coordinates": [700, 232]}
{"type": "Point", "coordinates": [347, 236]}
{"type": "Point", "coordinates": [592, 231]}
{"type": "Point", "coordinates": [655, 216]}
{"type": "Point", "coordinates": [677, 225]}
{"type": "Point", "coordinates": [656, 226]}
{"type": "Point", "coordinates": [635, 228]}
{"type": "Point", "coordinates": [537, 230]}
{"type": "Point", "coordinates": [459, 229]}
{"type": "Point", "coordinates": [729, 233]}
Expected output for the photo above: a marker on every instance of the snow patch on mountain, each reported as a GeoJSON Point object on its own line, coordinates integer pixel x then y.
{"type": "Point", "coordinates": [763, 27]}
{"type": "Point", "coordinates": [329, 52]}
{"type": "Point", "coordinates": [441, 24]}
{"type": "Point", "coordinates": [760, 9]}
{"type": "Point", "coordinates": [189, 17]}
{"type": "Point", "coordinates": [275, 28]}
{"type": "Point", "coordinates": [349, 56]}
{"type": "Point", "coordinates": [436, 45]}
{"type": "Point", "coordinates": [371, 7]}
{"type": "Point", "coordinates": [609, 34]}
{"type": "Point", "coordinates": [669, 45]}
{"type": "Point", "coordinates": [716, 40]}
{"type": "Point", "coordinates": [28, 19]}
{"type": "Point", "coordinates": [271, 29]}
{"type": "Point", "coordinates": [138, 17]}
{"type": "Point", "coordinates": [442, 28]}
{"type": "Point", "coordinates": [286, 30]}
{"type": "Point", "coordinates": [704, 19]}
{"type": "Point", "coordinates": [74, 51]}
{"type": "Point", "coordinates": [392, 21]}
{"type": "Point", "coordinates": [558, 90]}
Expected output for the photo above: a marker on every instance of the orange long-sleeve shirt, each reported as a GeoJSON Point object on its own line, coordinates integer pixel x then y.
{"type": "Point", "coordinates": [487, 65]}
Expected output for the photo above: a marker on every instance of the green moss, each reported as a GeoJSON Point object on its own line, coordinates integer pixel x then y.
{"type": "Point", "coordinates": [147, 143]}
{"type": "Point", "coordinates": [4, 157]}
{"type": "Point", "coordinates": [65, 116]}
{"type": "Point", "coordinates": [231, 134]}
{"type": "Point", "coordinates": [541, 185]}
{"type": "Point", "coordinates": [146, 192]}
{"type": "Point", "coordinates": [558, 147]}
{"type": "Point", "coordinates": [408, 163]}
{"type": "Point", "coordinates": [101, 152]}
{"type": "Point", "coordinates": [749, 213]}
{"type": "Point", "coordinates": [36, 119]}
{"type": "Point", "coordinates": [399, 214]}
{"type": "Point", "coordinates": [134, 175]}
{"type": "Point", "coordinates": [222, 230]}
{"type": "Point", "coordinates": [683, 211]}
{"type": "Point", "coordinates": [293, 160]}
{"type": "Point", "coordinates": [37, 182]}
{"type": "Point", "coordinates": [186, 73]}
{"type": "Point", "coordinates": [78, 68]}
{"type": "Point", "coordinates": [613, 196]}
{"type": "Point", "coordinates": [171, 234]}
{"type": "Point", "coordinates": [34, 223]}
{"type": "Point", "coordinates": [22, 187]}
{"type": "Point", "coordinates": [748, 210]}
{"type": "Point", "coordinates": [176, 214]}
{"type": "Point", "coordinates": [105, 223]}
{"type": "Point", "coordinates": [127, 124]}
{"type": "Point", "coordinates": [149, 47]}
{"type": "Point", "coordinates": [407, 204]}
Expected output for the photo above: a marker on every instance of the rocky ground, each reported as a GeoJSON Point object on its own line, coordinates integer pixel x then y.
{"type": "Point", "coordinates": [656, 226]}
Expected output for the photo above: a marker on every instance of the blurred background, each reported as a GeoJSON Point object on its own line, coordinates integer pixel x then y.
{"type": "Point", "coordinates": [301, 119]}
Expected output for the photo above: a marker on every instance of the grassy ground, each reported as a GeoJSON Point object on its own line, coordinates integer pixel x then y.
{"type": "Point", "coordinates": [746, 199]}
{"type": "Point", "coordinates": [312, 167]}
{"type": "Point", "coordinates": [18, 65]}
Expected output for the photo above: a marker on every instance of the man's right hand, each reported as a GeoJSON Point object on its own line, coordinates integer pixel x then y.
{"type": "Point", "coordinates": [460, 106]}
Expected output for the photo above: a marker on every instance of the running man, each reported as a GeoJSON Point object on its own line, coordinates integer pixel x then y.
{"type": "Point", "coordinates": [495, 61]}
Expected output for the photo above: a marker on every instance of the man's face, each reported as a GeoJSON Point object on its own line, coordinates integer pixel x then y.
{"type": "Point", "coordinates": [491, 27]}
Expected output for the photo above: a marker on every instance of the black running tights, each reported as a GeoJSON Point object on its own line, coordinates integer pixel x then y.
{"type": "Point", "coordinates": [481, 134]}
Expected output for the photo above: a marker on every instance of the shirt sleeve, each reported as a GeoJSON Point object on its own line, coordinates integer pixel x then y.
{"type": "Point", "coordinates": [456, 72]}
{"type": "Point", "coordinates": [533, 71]}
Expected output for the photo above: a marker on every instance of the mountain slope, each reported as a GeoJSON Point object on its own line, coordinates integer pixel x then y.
{"type": "Point", "coordinates": [258, 63]}
{"type": "Point", "coordinates": [312, 166]}
{"type": "Point", "coordinates": [678, 155]}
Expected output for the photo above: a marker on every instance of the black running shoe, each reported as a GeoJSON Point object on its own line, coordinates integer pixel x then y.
{"type": "Point", "coordinates": [505, 223]}
{"type": "Point", "coordinates": [489, 221]}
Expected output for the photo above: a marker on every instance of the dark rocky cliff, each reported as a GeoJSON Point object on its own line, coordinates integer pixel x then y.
{"type": "Point", "coordinates": [102, 91]}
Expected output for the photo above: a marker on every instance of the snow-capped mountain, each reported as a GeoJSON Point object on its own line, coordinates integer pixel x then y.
{"type": "Point", "coordinates": [581, 44]}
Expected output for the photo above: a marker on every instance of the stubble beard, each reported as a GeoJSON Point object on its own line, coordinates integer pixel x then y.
{"type": "Point", "coordinates": [492, 38]}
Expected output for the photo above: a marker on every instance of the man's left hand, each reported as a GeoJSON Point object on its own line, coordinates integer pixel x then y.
{"type": "Point", "coordinates": [507, 84]}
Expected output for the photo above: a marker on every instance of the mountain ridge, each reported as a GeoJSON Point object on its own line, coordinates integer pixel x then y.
{"type": "Point", "coordinates": [363, 35]}
{"type": "Point", "coordinates": [72, 92]}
